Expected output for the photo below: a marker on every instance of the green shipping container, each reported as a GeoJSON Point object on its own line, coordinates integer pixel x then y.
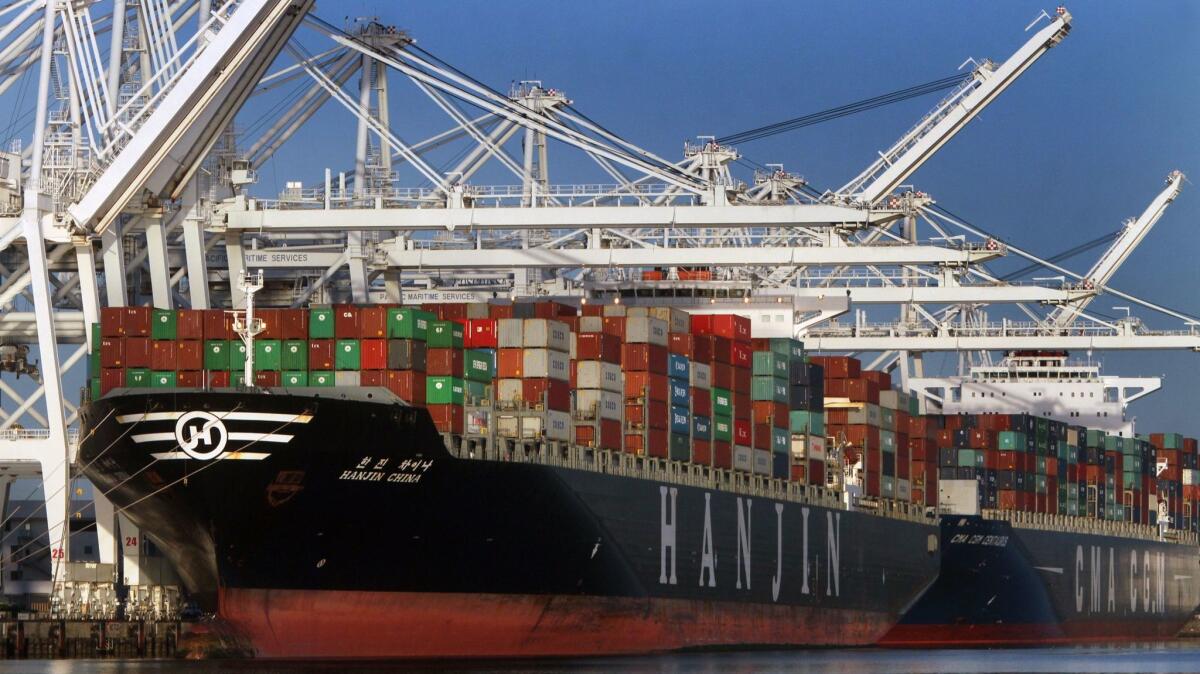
{"type": "Point", "coordinates": [722, 402]}
{"type": "Point", "coordinates": [970, 458]}
{"type": "Point", "coordinates": [162, 324]}
{"type": "Point", "coordinates": [445, 335]}
{"type": "Point", "coordinates": [216, 354]}
{"type": "Point", "coordinates": [408, 323]}
{"type": "Point", "coordinates": [477, 391]}
{"type": "Point", "coordinates": [94, 352]}
{"type": "Point", "coordinates": [804, 421]}
{"type": "Point", "coordinates": [443, 391]}
{"type": "Point", "coordinates": [268, 355]}
{"type": "Point", "coordinates": [295, 355]}
{"type": "Point", "coordinates": [162, 380]}
{"type": "Point", "coordinates": [137, 377]}
{"type": "Point", "coordinates": [95, 388]}
{"type": "Point", "coordinates": [770, 364]}
{"type": "Point", "coordinates": [295, 378]}
{"type": "Point", "coordinates": [722, 428]}
{"type": "Point", "coordinates": [479, 365]}
{"type": "Point", "coordinates": [237, 379]}
{"type": "Point", "coordinates": [237, 356]}
{"type": "Point", "coordinates": [769, 388]}
{"type": "Point", "coordinates": [781, 440]}
{"type": "Point", "coordinates": [321, 378]}
{"type": "Point", "coordinates": [320, 323]}
{"type": "Point", "coordinates": [1012, 441]}
{"type": "Point", "coordinates": [1095, 438]}
{"type": "Point", "coordinates": [347, 355]}
{"type": "Point", "coordinates": [681, 447]}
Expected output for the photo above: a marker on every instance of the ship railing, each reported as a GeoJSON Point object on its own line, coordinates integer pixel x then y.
{"type": "Point", "coordinates": [1057, 522]}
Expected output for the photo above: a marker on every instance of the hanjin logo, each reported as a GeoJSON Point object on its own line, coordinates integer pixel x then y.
{"type": "Point", "coordinates": [201, 435]}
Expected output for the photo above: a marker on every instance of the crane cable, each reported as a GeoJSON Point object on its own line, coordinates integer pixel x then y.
{"type": "Point", "coordinates": [844, 110]}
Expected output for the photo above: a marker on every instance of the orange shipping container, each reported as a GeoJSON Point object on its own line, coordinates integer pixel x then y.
{"type": "Point", "coordinates": [510, 363]}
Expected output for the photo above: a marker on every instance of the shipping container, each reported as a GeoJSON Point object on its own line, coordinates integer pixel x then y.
{"type": "Point", "coordinates": [348, 355]}
{"type": "Point", "coordinates": [321, 323]}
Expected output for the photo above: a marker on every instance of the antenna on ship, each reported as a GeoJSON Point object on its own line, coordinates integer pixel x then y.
{"type": "Point", "coordinates": [248, 327]}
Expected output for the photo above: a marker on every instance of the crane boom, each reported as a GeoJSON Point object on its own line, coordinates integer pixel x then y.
{"type": "Point", "coordinates": [1112, 259]}
{"type": "Point", "coordinates": [951, 115]}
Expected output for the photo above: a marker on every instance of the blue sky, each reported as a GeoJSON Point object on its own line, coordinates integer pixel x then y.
{"type": "Point", "coordinates": [1080, 143]}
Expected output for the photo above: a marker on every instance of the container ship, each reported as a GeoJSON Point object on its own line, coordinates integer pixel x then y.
{"type": "Point", "coordinates": [536, 478]}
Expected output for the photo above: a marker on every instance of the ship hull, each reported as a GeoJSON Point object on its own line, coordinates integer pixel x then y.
{"type": "Point", "coordinates": [1003, 585]}
{"type": "Point", "coordinates": [360, 535]}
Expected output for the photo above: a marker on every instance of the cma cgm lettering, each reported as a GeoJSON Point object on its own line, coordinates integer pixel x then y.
{"type": "Point", "coordinates": [1097, 580]}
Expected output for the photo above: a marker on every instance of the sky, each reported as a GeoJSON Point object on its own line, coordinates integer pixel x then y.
{"type": "Point", "coordinates": [1080, 143]}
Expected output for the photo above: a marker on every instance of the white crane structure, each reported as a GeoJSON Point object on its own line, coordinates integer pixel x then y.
{"type": "Point", "coordinates": [152, 119]}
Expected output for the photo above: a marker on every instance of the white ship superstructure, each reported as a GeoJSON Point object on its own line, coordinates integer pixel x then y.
{"type": "Point", "coordinates": [1043, 383]}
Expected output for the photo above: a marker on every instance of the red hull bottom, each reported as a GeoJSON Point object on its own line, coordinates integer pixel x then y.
{"type": "Point", "coordinates": [331, 624]}
{"type": "Point", "coordinates": [969, 636]}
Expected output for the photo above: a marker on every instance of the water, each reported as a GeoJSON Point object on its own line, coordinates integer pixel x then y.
{"type": "Point", "coordinates": [1156, 658]}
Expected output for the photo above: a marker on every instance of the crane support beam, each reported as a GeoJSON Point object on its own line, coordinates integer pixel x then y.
{"type": "Point", "coordinates": [997, 294]}
{"type": "Point", "coordinates": [1004, 343]}
{"type": "Point", "coordinates": [611, 217]}
{"type": "Point", "coordinates": [900, 161]}
{"type": "Point", "coordinates": [1120, 250]}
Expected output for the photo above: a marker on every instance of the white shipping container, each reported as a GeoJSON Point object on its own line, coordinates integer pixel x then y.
{"type": "Point", "coordinates": [868, 414]}
{"type": "Point", "coordinates": [554, 426]}
{"type": "Point", "coordinates": [614, 310]}
{"type": "Point", "coordinates": [477, 421]}
{"type": "Point", "coordinates": [637, 311]}
{"type": "Point", "coordinates": [510, 333]}
{"type": "Point", "coordinates": [591, 324]}
{"type": "Point", "coordinates": [595, 374]}
{"type": "Point", "coordinates": [808, 446]}
{"type": "Point", "coordinates": [743, 458]}
{"type": "Point", "coordinates": [1189, 476]}
{"type": "Point", "coordinates": [478, 310]}
{"type": "Point", "coordinates": [762, 461]}
{"type": "Point", "coordinates": [677, 320]}
{"type": "Point", "coordinates": [509, 390]}
{"type": "Point", "coordinates": [701, 376]}
{"type": "Point", "coordinates": [605, 404]}
{"type": "Point", "coordinates": [645, 330]}
{"type": "Point", "coordinates": [816, 446]}
{"type": "Point", "coordinates": [508, 426]}
{"type": "Point", "coordinates": [573, 352]}
{"type": "Point", "coordinates": [890, 399]}
{"type": "Point", "coordinates": [546, 363]}
{"type": "Point", "coordinates": [903, 490]}
{"type": "Point", "coordinates": [543, 333]}
{"type": "Point", "coordinates": [344, 378]}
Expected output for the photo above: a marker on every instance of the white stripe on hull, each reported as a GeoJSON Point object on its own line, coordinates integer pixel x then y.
{"type": "Point", "coordinates": [227, 416]}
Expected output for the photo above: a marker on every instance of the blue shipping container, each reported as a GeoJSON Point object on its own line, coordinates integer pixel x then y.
{"type": "Point", "coordinates": [681, 421]}
{"type": "Point", "coordinates": [701, 428]}
{"type": "Point", "coordinates": [677, 366]}
{"type": "Point", "coordinates": [680, 393]}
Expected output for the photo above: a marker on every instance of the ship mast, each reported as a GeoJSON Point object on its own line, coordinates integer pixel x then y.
{"type": "Point", "coordinates": [249, 327]}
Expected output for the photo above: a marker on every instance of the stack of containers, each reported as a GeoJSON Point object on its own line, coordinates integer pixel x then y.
{"type": "Point", "coordinates": [445, 389]}
{"type": "Point", "coordinates": [533, 378]}
{"type": "Point", "coordinates": [599, 386]}
{"type": "Point", "coordinates": [732, 401]}
{"type": "Point", "coordinates": [479, 368]}
{"type": "Point", "coordinates": [219, 338]}
{"type": "Point", "coordinates": [773, 362]}
{"type": "Point", "coordinates": [696, 351]}
{"type": "Point", "coordinates": [922, 452]}
{"type": "Point", "coordinates": [807, 423]}
{"type": "Point", "coordinates": [124, 348]}
{"type": "Point", "coordinates": [893, 434]}
{"type": "Point", "coordinates": [407, 353]}
{"type": "Point", "coordinates": [853, 418]}
{"type": "Point", "coordinates": [649, 420]}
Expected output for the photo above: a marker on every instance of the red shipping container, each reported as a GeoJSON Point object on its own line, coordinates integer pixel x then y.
{"type": "Point", "coordinates": [799, 473]}
{"type": "Point", "coordinates": [741, 432]}
{"type": "Point", "coordinates": [648, 414]}
{"type": "Point", "coordinates": [294, 323]}
{"type": "Point", "coordinates": [702, 349]}
{"type": "Point", "coordinates": [598, 346]}
{"type": "Point", "coordinates": [882, 379]}
{"type": "Point", "coordinates": [647, 385]}
{"type": "Point", "coordinates": [644, 358]}
{"type": "Point", "coordinates": [112, 352]}
{"type": "Point", "coordinates": [721, 349]}
{"type": "Point", "coordinates": [762, 436]}
{"type": "Point", "coordinates": [739, 355]}
{"type": "Point", "coordinates": [407, 384]}
{"type": "Point", "coordinates": [442, 361]}
{"type": "Point", "coordinates": [592, 309]}
{"type": "Point", "coordinates": [741, 379]}
{"type": "Point", "coordinates": [189, 324]}
{"type": "Point", "coordinates": [861, 435]}
{"type": "Point", "coordinates": [345, 321]}
{"type": "Point", "coordinates": [189, 379]}
{"type": "Point", "coordinates": [320, 354]}
{"type": "Point", "coordinates": [722, 454]}
{"type": "Point", "coordinates": [189, 356]}
{"type": "Point", "coordinates": [447, 418]}
{"type": "Point", "coordinates": [452, 311]}
{"type": "Point", "coordinates": [992, 422]}
{"type": "Point", "coordinates": [702, 452]}
{"type": "Point", "coordinates": [838, 367]}
{"type": "Point", "coordinates": [902, 467]}
{"type": "Point", "coordinates": [725, 325]}
{"type": "Point", "coordinates": [111, 378]}
{"type": "Point", "coordinates": [267, 379]}
{"type": "Point", "coordinates": [742, 406]}
{"type": "Point", "coordinates": [373, 354]}
{"type": "Point", "coordinates": [614, 325]}
{"type": "Point", "coordinates": [162, 355]}
{"type": "Point", "coordinates": [816, 472]}
{"type": "Point", "coordinates": [272, 323]}
{"type": "Point", "coordinates": [510, 363]}
{"type": "Point", "coordinates": [372, 378]}
{"type": "Point", "coordinates": [480, 333]}
{"type": "Point", "coordinates": [111, 322]}
{"type": "Point", "coordinates": [872, 486]}
{"type": "Point", "coordinates": [680, 343]}
{"type": "Point", "coordinates": [505, 310]}
{"type": "Point", "coordinates": [218, 324]}
{"type": "Point", "coordinates": [701, 402]}
{"type": "Point", "coordinates": [837, 415]}
{"type": "Point", "coordinates": [652, 442]}
{"type": "Point", "coordinates": [136, 321]}
{"type": "Point", "coordinates": [857, 390]}
{"type": "Point", "coordinates": [555, 394]}
{"type": "Point", "coordinates": [722, 376]}
{"type": "Point", "coordinates": [218, 379]}
{"type": "Point", "coordinates": [372, 322]}
{"type": "Point", "coordinates": [608, 437]}
{"type": "Point", "coordinates": [137, 352]}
